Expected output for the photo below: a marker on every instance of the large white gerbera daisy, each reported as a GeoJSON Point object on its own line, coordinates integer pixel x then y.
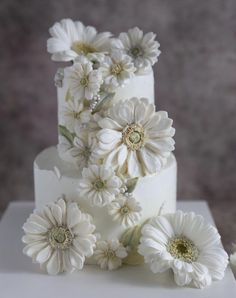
{"type": "Point", "coordinates": [70, 39]}
{"type": "Point", "coordinates": [134, 138]}
{"type": "Point", "coordinates": [109, 254]}
{"type": "Point", "coordinates": [84, 81]}
{"type": "Point", "coordinates": [187, 245]}
{"type": "Point", "coordinates": [59, 237]}
{"type": "Point", "coordinates": [125, 209]}
{"type": "Point", "coordinates": [117, 70]}
{"type": "Point", "coordinates": [99, 184]}
{"type": "Point", "coordinates": [142, 48]}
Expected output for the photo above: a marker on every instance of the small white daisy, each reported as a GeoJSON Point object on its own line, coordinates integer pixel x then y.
{"type": "Point", "coordinates": [70, 39]}
{"type": "Point", "coordinates": [99, 185]}
{"type": "Point", "coordinates": [59, 237]}
{"type": "Point", "coordinates": [84, 81]}
{"type": "Point", "coordinates": [95, 58]}
{"type": "Point", "coordinates": [74, 114]}
{"type": "Point", "coordinates": [187, 245]}
{"type": "Point", "coordinates": [125, 209]}
{"type": "Point", "coordinates": [109, 254]}
{"type": "Point", "coordinates": [117, 70]}
{"type": "Point", "coordinates": [134, 138]}
{"type": "Point", "coordinates": [142, 48]}
{"type": "Point", "coordinates": [82, 150]}
{"type": "Point", "coordinates": [63, 146]}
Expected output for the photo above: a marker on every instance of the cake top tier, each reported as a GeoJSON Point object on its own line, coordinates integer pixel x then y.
{"type": "Point", "coordinates": [100, 121]}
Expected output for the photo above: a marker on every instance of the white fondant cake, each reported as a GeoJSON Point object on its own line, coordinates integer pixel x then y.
{"type": "Point", "coordinates": [114, 155]}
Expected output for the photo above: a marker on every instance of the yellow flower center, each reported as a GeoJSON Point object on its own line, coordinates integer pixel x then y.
{"type": "Point", "coordinates": [116, 69]}
{"type": "Point", "coordinates": [135, 52]}
{"type": "Point", "coordinates": [183, 248]}
{"type": "Point", "coordinates": [110, 253]}
{"type": "Point", "coordinates": [84, 81]}
{"type": "Point", "coordinates": [76, 115]}
{"type": "Point", "coordinates": [86, 153]}
{"type": "Point", "coordinates": [99, 184]}
{"type": "Point", "coordinates": [133, 136]}
{"type": "Point", "coordinates": [82, 48]}
{"type": "Point", "coordinates": [124, 210]}
{"type": "Point", "coordinates": [60, 238]}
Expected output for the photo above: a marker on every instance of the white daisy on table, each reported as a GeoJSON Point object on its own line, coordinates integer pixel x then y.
{"type": "Point", "coordinates": [134, 138]}
{"type": "Point", "coordinates": [142, 48]}
{"type": "Point", "coordinates": [70, 39]}
{"type": "Point", "coordinates": [117, 70]}
{"type": "Point", "coordinates": [82, 150]}
{"type": "Point", "coordinates": [99, 185]}
{"type": "Point", "coordinates": [59, 237]}
{"type": "Point", "coordinates": [187, 245]}
{"type": "Point", "coordinates": [75, 114]}
{"type": "Point", "coordinates": [84, 81]}
{"type": "Point", "coordinates": [109, 254]}
{"type": "Point", "coordinates": [125, 209]}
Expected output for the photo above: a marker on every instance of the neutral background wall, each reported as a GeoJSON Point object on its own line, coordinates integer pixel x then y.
{"type": "Point", "coordinates": [195, 83]}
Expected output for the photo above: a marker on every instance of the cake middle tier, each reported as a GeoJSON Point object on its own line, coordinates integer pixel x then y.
{"type": "Point", "coordinates": [54, 177]}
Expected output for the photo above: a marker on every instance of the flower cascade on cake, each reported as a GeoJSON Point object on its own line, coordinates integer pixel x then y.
{"type": "Point", "coordinates": [113, 142]}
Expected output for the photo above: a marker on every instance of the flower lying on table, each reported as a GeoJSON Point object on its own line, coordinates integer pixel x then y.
{"type": "Point", "coordinates": [59, 237]}
{"type": "Point", "coordinates": [187, 245]}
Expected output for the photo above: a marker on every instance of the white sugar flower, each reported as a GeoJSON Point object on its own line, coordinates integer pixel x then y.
{"type": "Point", "coordinates": [95, 58]}
{"type": "Point", "coordinates": [84, 81]}
{"type": "Point", "coordinates": [117, 70]}
{"type": "Point", "coordinates": [59, 237]}
{"type": "Point", "coordinates": [142, 48]}
{"type": "Point", "coordinates": [125, 209]}
{"type": "Point", "coordinates": [63, 146]}
{"type": "Point", "coordinates": [75, 114]}
{"type": "Point", "coordinates": [134, 138]}
{"type": "Point", "coordinates": [187, 245]}
{"type": "Point", "coordinates": [82, 150]}
{"type": "Point", "coordinates": [109, 254]}
{"type": "Point", "coordinates": [70, 39]}
{"type": "Point", "coordinates": [99, 184]}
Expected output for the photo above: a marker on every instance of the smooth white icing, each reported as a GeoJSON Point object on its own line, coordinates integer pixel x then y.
{"type": "Point", "coordinates": [152, 192]}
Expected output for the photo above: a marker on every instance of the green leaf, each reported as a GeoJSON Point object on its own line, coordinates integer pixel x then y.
{"type": "Point", "coordinates": [105, 99]}
{"type": "Point", "coordinates": [66, 133]}
{"type": "Point", "coordinates": [68, 96]}
{"type": "Point", "coordinates": [130, 239]}
{"type": "Point", "coordinates": [131, 184]}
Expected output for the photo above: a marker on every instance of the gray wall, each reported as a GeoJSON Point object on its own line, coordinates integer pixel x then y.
{"type": "Point", "coordinates": [195, 82]}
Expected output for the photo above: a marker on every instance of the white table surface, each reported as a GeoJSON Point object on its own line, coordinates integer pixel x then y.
{"type": "Point", "coordinates": [20, 278]}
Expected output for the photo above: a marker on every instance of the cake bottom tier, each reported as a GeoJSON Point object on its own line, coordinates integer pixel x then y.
{"type": "Point", "coordinates": [54, 177]}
